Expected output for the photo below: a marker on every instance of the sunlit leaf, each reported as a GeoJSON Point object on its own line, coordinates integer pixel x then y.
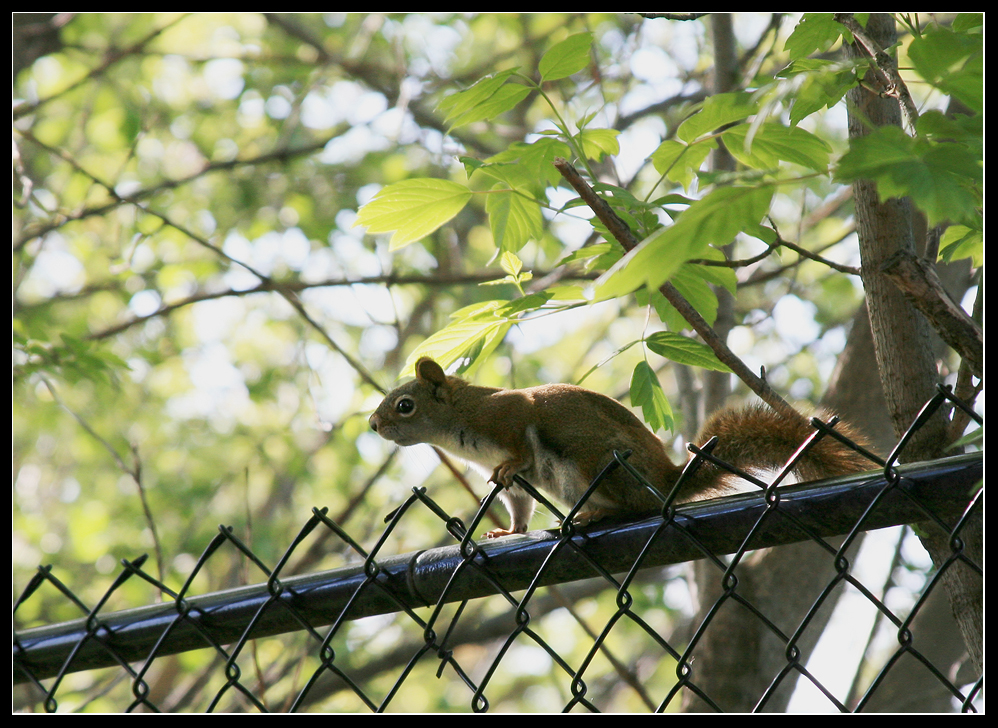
{"type": "Point", "coordinates": [684, 350]}
{"type": "Point", "coordinates": [715, 219]}
{"type": "Point", "coordinates": [679, 162]}
{"type": "Point", "coordinates": [646, 393]}
{"type": "Point", "coordinates": [597, 142]}
{"type": "Point", "coordinates": [457, 340]}
{"type": "Point", "coordinates": [767, 145]}
{"type": "Point", "coordinates": [941, 179]}
{"type": "Point", "coordinates": [412, 209]}
{"type": "Point", "coordinates": [514, 219]}
{"type": "Point", "coordinates": [717, 111]}
{"type": "Point", "coordinates": [567, 57]}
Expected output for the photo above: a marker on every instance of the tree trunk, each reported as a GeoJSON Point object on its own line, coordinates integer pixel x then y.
{"type": "Point", "coordinates": [902, 342]}
{"type": "Point", "coordinates": [739, 656]}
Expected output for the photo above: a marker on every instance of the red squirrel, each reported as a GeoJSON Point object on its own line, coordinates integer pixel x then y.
{"type": "Point", "coordinates": [559, 437]}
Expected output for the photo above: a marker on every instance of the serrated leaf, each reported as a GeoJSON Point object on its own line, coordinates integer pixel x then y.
{"type": "Point", "coordinates": [942, 180]}
{"type": "Point", "coordinates": [463, 101]}
{"type": "Point", "coordinates": [716, 275]}
{"type": "Point", "coordinates": [459, 339]}
{"type": "Point", "coordinates": [567, 293]}
{"type": "Point", "coordinates": [968, 21]}
{"type": "Point", "coordinates": [412, 209]}
{"type": "Point", "coordinates": [773, 142]}
{"type": "Point", "coordinates": [567, 57]}
{"type": "Point", "coordinates": [680, 162]}
{"type": "Point", "coordinates": [488, 98]}
{"type": "Point", "coordinates": [695, 289]}
{"type": "Point", "coordinates": [510, 263]}
{"type": "Point", "coordinates": [715, 219]}
{"type": "Point", "coordinates": [683, 350]}
{"type": "Point", "coordinates": [646, 393]}
{"type": "Point", "coordinates": [815, 33]}
{"type": "Point", "coordinates": [586, 253]}
{"type": "Point", "coordinates": [597, 142]}
{"type": "Point", "coordinates": [482, 309]}
{"type": "Point", "coordinates": [536, 159]}
{"type": "Point", "coordinates": [717, 111]}
{"type": "Point", "coordinates": [514, 309]}
{"type": "Point", "coordinates": [953, 62]}
{"type": "Point", "coordinates": [513, 219]}
{"type": "Point", "coordinates": [694, 283]}
{"type": "Point", "coordinates": [515, 175]}
{"type": "Point", "coordinates": [822, 84]}
{"type": "Point", "coordinates": [960, 241]}
{"type": "Point", "coordinates": [471, 165]}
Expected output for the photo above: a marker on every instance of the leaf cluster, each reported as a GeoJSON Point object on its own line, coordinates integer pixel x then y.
{"type": "Point", "coordinates": [940, 169]}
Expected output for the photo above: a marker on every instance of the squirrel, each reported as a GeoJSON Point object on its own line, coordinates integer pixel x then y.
{"type": "Point", "coordinates": [559, 437]}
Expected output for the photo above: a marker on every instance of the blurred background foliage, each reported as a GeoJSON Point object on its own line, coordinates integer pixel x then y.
{"type": "Point", "coordinates": [200, 331]}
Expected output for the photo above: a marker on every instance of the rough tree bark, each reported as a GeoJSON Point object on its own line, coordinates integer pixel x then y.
{"type": "Point", "coordinates": [902, 341]}
{"type": "Point", "coordinates": [738, 657]}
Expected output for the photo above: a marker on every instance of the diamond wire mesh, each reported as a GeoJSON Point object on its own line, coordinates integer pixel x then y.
{"type": "Point", "coordinates": [426, 586]}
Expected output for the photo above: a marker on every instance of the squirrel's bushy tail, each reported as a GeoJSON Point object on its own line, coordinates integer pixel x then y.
{"type": "Point", "coordinates": [759, 437]}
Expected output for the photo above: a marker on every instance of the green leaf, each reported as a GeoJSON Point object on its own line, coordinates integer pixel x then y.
{"type": "Point", "coordinates": [480, 310]}
{"type": "Point", "coordinates": [684, 350]}
{"type": "Point", "coordinates": [960, 241]}
{"type": "Point", "coordinates": [716, 219]}
{"type": "Point", "coordinates": [968, 21]}
{"type": "Point", "coordinates": [952, 62]}
{"type": "Point", "coordinates": [646, 393]}
{"type": "Point", "coordinates": [471, 165]}
{"type": "Point", "coordinates": [513, 219]}
{"type": "Point", "coordinates": [935, 126]}
{"type": "Point", "coordinates": [680, 162]}
{"type": "Point", "coordinates": [413, 209]}
{"type": "Point", "coordinates": [717, 111]}
{"type": "Point", "coordinates": [74, 360]}
{"type": "Point", "coordinates": [535, 160]}
{"type": "Point", "coordinates": [822, 84]}
{"type": "Point", "coordinates": [479, 336]}
{"type": "Point", "coordinates": [478, 329]}
{"type": "Point", "coordinates": [815, 33]}
{"type": "Point", "coordinates": [597, 142]}
{"type": "Point", "coordinates": [942, 179]}
{"type": "Point", "coordinates": [511, 263]}
{"type": "Point", "coordinates": [773, 142]}
{"type": "Point", "coordinates": [516, 308]}
{"type": "Point", "coordinates": [516, 176]}
{"type": "Point", "coordinates": [487, 99]}
{"type": "Point", "coordinates": [587, 253]}
{"type": "Point", "coordinates": [719, 275]}
{"type": "Point", "coordinates": [694, 283]}
{"type": "Point", "coordinates": [567, 57]}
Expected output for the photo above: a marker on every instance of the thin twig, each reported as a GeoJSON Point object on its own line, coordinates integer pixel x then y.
{"type": "Point", "coordinates": [134, 472]}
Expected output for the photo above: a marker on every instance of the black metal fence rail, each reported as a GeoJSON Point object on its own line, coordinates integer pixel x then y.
{"type": "Point", "coordinates": [942, 494]}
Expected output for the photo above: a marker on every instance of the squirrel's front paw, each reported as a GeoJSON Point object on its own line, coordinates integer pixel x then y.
{"type": "Point", "coordinates": [504, 472]}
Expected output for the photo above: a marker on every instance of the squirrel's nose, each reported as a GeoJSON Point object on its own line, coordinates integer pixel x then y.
{"type": "Point", "coordinates": [374, 421]}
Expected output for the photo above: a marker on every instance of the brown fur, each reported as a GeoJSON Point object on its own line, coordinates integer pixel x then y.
{"type": "Point", "coordinates": [559, 437]}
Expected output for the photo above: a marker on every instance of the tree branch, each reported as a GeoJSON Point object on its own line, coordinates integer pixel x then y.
{"type": "Point", "coordinates": [918, 281]}
{"type": "Point", "coordinates": [619, 229]}
{"type": "Point", "coordinates": [884, 67]}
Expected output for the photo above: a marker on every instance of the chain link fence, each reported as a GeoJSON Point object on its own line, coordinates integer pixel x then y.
{"type": "Point", "coordinates": [441, 624]}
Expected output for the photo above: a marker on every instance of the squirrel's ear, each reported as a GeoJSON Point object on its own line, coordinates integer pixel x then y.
{"type": "Point", "coordinates": [429, 371]}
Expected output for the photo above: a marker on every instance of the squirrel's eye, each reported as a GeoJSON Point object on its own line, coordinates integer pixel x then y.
{"type": "Point", "coordinates": [405, 406]}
